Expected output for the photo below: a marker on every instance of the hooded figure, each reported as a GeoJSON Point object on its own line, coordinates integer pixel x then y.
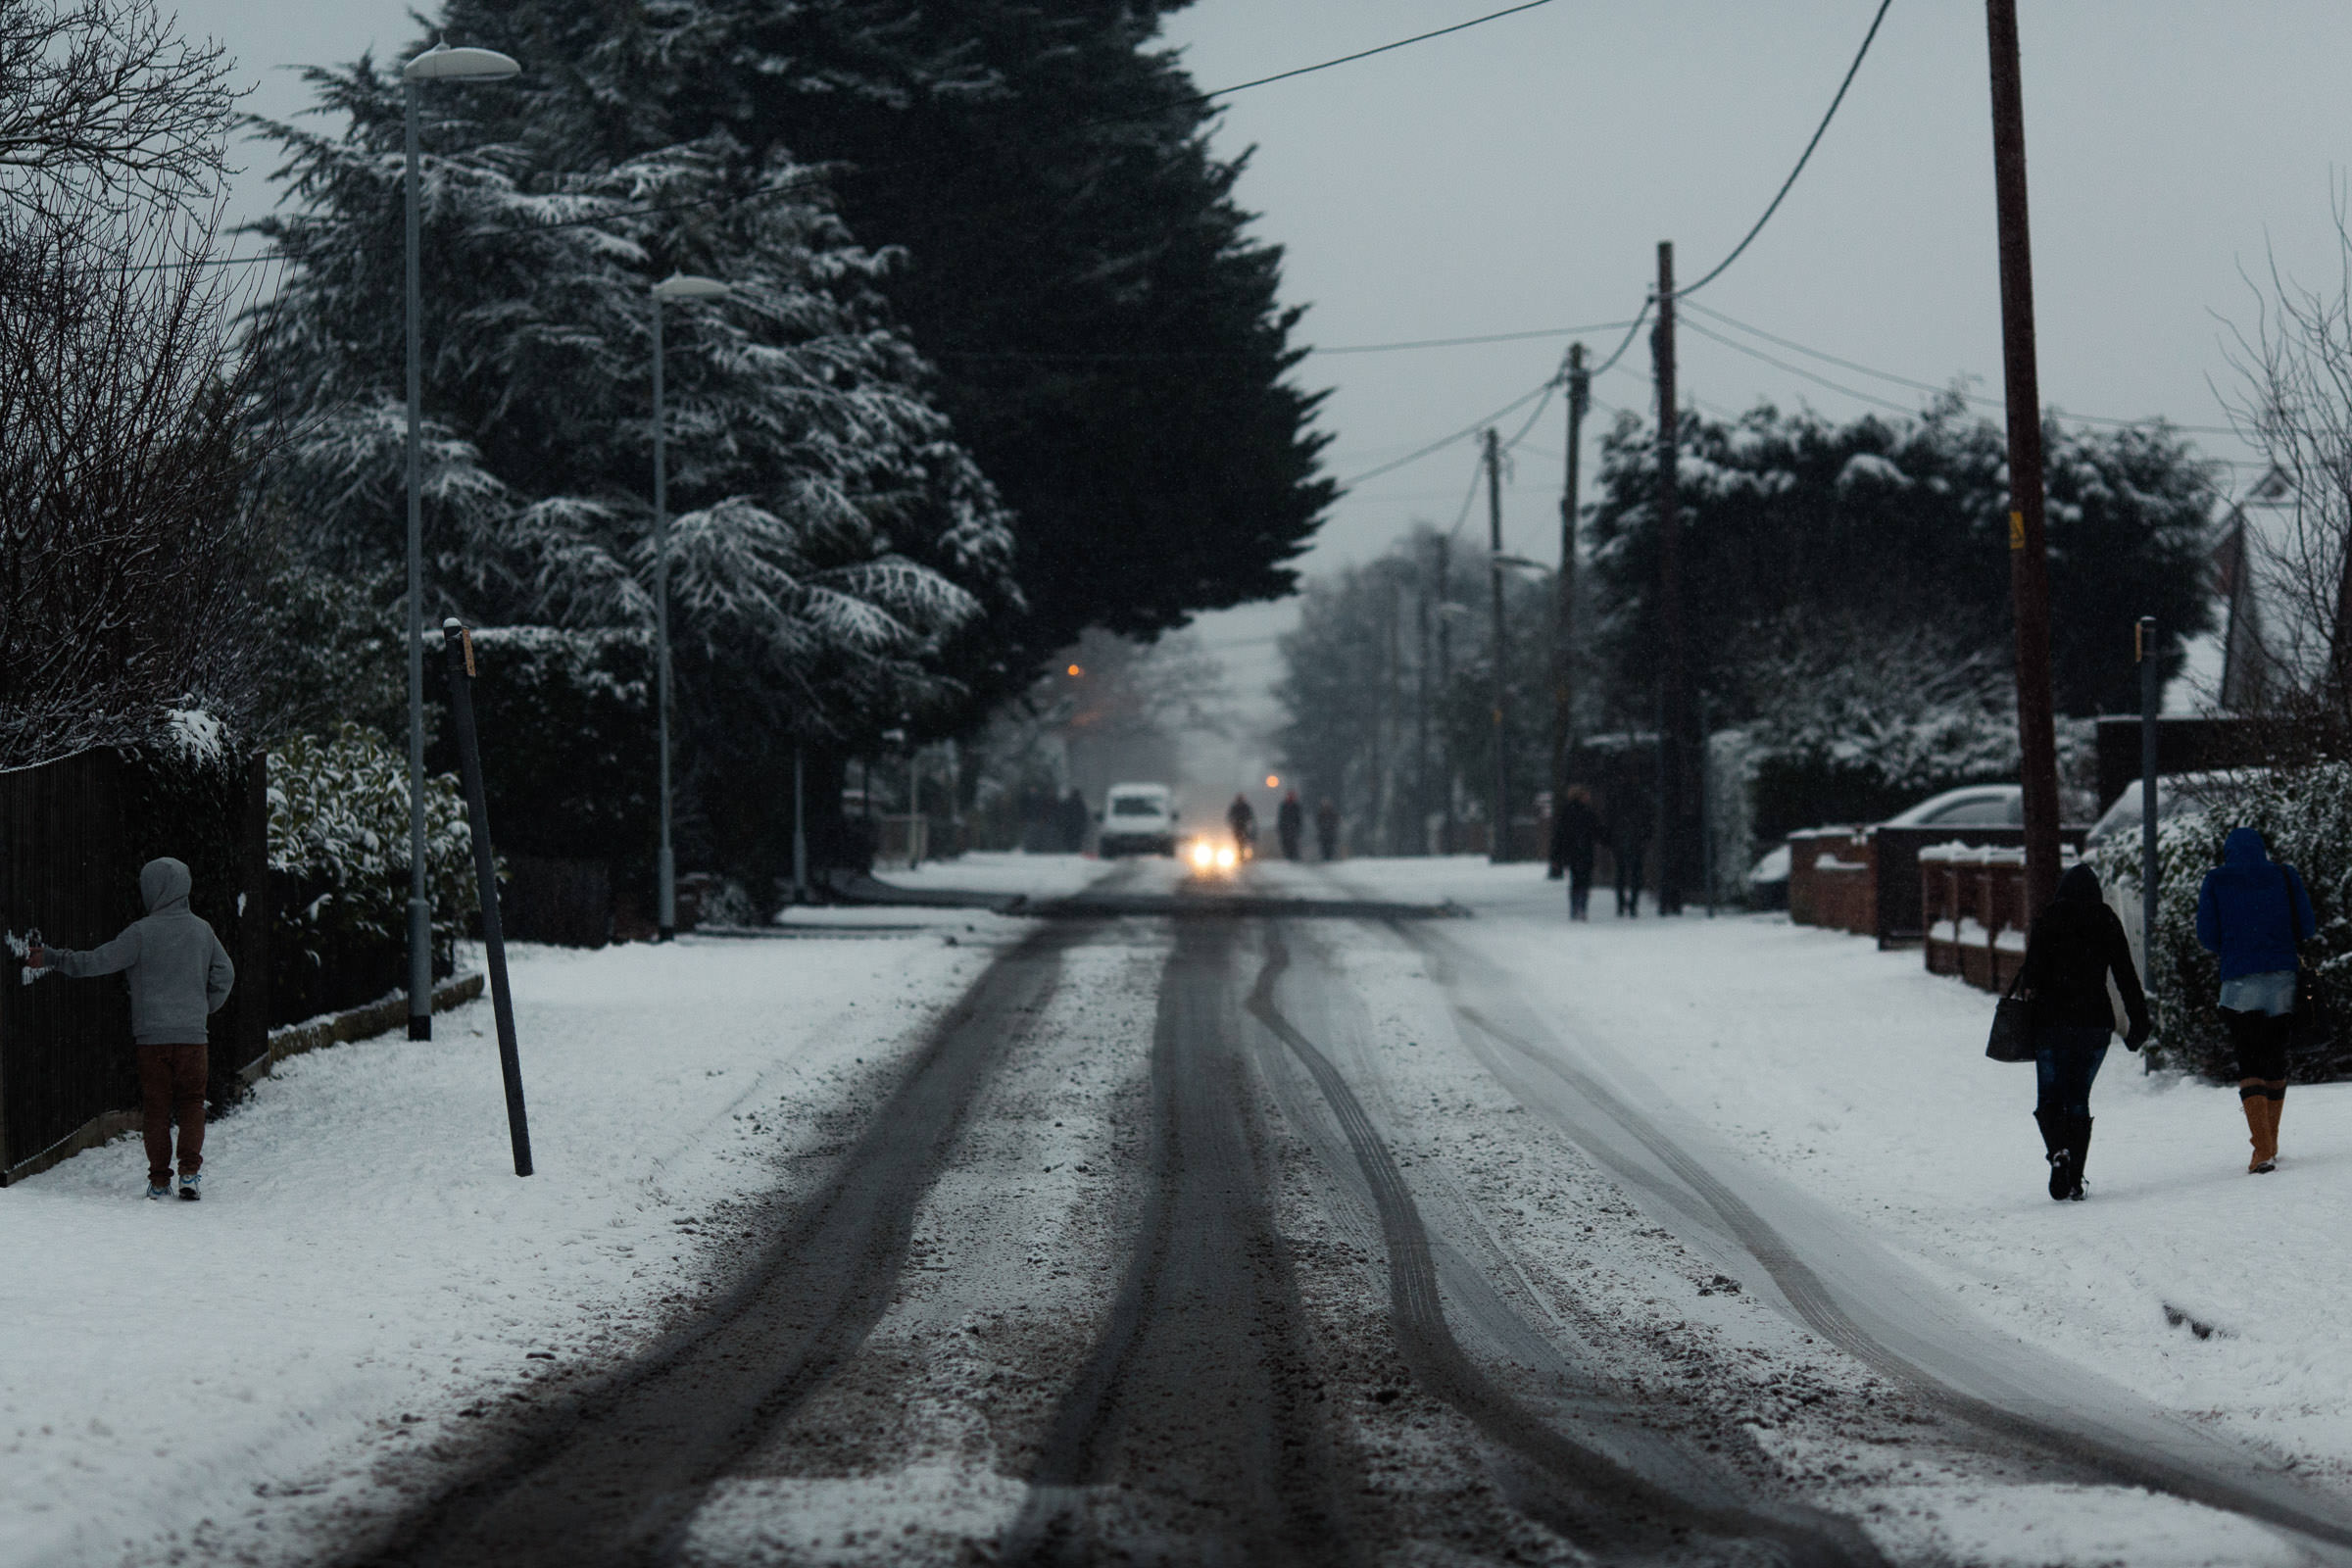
{"type": "Point", "coordinates": [180, 976]}
{"type": "Point", "coordinates": [2252, 912]}
{"type": "Point", "coordinates": [2075, 946]}
{"type": "Point", "coordinates": [1290, 823]}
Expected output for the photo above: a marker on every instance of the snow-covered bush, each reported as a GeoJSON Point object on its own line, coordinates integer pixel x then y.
{"type": "Point", "coordinates": [339, 847]}
{"type": "Point", "coordinates": [2305, 816]}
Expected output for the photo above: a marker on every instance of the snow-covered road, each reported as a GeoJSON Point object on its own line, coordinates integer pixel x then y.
{"type": "Point", "coordinates": [1328, 1233]}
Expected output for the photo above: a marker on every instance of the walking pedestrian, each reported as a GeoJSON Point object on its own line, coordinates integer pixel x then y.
{"type": "Point", "coordinates": [2074, 946]}
{"type": "Point", "coordinates": [179, 975]}
{"type": "Point", "coordinates": [1327, 827]}
{"type": "Point", "coordinates": [1072, 818]}
{"type": "Point", "coordinates": [2252, 912]}
{"type": "Point", "coordinates": [1288, 823]}
{"type": "Point", "coordinates": [1629, 838]}
{"type": "Point", "coordinates": [1242, 818]}
{"type": "Point", "coordinates": [1576, 832]}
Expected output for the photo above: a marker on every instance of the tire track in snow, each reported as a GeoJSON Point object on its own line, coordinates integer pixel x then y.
{"type": "Point", "coordinates": [1194, 1432]}
{"type": "Point", "coordinates": [613, 1475]}
{"type": "Point", "coordinates": [2023, 1399]}
{"type": "Point", "coordinates": [1595, 1499]}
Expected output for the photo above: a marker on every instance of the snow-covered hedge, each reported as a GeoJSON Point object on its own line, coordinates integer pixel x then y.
{"type": "Point", "coordinates": [339, 838]}
{"type": "Point", "coordinates": [2305, 816]}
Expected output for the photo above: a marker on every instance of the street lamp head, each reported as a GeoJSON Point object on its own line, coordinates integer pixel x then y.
{"type": "Point", "coordinates": [1519, 562]}
{"type": "Point", "coordinates": [441, 63]}
{"type": "Point", "coordinates": [687, 287]}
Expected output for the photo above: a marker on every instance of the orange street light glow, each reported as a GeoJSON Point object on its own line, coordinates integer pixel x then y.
{"type": "Point", "coordinates": [1076, 671]}
{"type": "Point", "coordinates": [1273, 781]}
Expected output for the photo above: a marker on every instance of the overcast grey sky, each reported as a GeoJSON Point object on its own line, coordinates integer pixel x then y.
{"type": "Point", "coordinates": [1520, 174]}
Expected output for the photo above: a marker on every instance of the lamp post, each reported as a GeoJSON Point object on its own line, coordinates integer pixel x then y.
{"type": "Point", "coordinates": [676, 287]}
{"type": "Point", "coordinates": [437, 64]}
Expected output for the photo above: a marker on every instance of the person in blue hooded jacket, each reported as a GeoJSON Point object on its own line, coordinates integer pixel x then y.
{"type": "Point", "coordinates": [2252, 912]}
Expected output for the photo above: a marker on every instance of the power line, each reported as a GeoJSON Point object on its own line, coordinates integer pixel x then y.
{"type": "Point", "coordinates": [1361, 54]}
{"type": "Point", "coordinates": [1737, 347]}
{"type": "Point", "coordinates": [1980, 401]}
{"type": "Point", "coordinates": [1310, 349]}
{"type": "Point", "coordinates": [1513, 407]}
{"type": "Point", "coordinates": [1802, 158]}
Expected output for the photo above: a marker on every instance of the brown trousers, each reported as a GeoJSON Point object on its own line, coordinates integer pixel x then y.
{"type": "Point", "coordinates": [171, 1084]}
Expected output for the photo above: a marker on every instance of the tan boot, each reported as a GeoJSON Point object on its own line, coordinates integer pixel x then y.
{"type": "Point", "coordinates": [2257, 1107]}
{"type": "Point", "coordinates": [2273, 1102]}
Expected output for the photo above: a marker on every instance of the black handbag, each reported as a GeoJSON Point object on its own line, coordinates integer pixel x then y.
{"type": "Point", "coordinates": [2012, 1026]}
{"type": "Point", "coordinates": [2308, 1027]}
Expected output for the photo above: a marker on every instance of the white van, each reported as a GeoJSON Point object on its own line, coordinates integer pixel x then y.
{"type": "Point", "coordinates": [1139, 820]}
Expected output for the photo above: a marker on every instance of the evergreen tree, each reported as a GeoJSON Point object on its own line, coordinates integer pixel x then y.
{"type": "Point", "coordinates": [829, 535]}
{"type": "Point", "coordinates": [1109, 337]}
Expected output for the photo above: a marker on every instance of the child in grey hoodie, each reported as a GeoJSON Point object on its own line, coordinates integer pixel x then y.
{"type": "Point", "coordinates": [179, 975]}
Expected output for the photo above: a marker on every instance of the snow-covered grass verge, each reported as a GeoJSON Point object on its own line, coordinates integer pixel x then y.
{"type": "Point", "coordinates": [365, 1265]}
{"type": "Point", "coordinates": [1863, 1079]}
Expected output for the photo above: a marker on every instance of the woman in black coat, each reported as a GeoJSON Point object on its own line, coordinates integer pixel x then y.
{"type": "Point", "coordinates": [2075, 945]}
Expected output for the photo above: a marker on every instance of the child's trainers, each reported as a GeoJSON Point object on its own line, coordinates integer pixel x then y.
{"type": "Point", "coordinates": [191, 1187]}
{"type": "Point", "coordinates": [155, 1191]}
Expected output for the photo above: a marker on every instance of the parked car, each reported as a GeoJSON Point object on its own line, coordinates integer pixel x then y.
{"type": "Point", "coordinates": [1138, 819]}
{"type": "Point", "coordinates": [2177, 795]}
{"type": "Point", "coordinates": [1970, 805]}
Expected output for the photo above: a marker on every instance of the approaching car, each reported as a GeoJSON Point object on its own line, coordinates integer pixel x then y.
{"type": "Point", "coordinates": [1139, 820]}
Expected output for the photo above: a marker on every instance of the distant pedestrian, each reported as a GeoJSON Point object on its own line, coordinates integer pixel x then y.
{"type": "Point", "coordinates": [1242, 818]}
{"type": "Point", "coordinates": [180, 976]}
{"type": "Point", "coordinates": [1289, 822]}
{"type": "Point", "coordinates": [2075, 945]}
{"type": "Point", "coordinates": [1073, 818]}
{"type": "Point", "coordinates": [1327, 827]}
{"type": "Point", "coordinates": [1629, 839]}
{"type": "Point", "coordinates": [2252, 912]}
{"type": "Point", "coordinates": [1575, 837]}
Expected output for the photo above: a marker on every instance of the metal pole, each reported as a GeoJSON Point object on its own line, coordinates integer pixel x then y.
{"type": "Point", "coordinates": [1706, 816]}
{"type": "Point", "coordinates": [1499, 842]}
{"type": "Point", "coordinates": [800, 833]}
{"type": "Point", "coordinates": [666, 862]}
{"type": "Point", "coordinates": [457, 648]}
{"type": "Point", "coordinates": [1674, 762]}
{"type": "Point", "coordinates": [2029, 556]}
{"type": "Point", "coordinates": [2151, 698]}
{"type": "Point", "coordinates": [420, 909]}
{"type": "Point", "coordinates": [1563, 636]}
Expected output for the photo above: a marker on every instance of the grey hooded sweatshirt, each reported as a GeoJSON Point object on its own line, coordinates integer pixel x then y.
{"type": "Point", "coordinates": [180, 973]}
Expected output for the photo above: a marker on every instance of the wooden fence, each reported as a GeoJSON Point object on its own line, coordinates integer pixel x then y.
{"type": "Point", "coordinates": [74, 834]}
{"type": "Point", "coordinates": [1871, 881]}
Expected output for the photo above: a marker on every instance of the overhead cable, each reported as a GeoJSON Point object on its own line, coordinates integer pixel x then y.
{"type": "Point", "coordinates": [1786, 184]}
{"type": "Point", "coordinates": [1476, 426]}
{"type": "Point", "coordinates": [1978, 399]}
{"type": "Point", "coordinates": [1361, 54]}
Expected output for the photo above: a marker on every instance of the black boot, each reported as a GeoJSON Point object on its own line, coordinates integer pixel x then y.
{"type": "Point", "coordinates": [2054, 1147]}
{"type": "Point", "coordinates": [2078, 1141]}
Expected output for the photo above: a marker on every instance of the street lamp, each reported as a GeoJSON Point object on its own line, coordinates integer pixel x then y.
{"type": "Point", "coordinates": [437, 64]}
{"type": "Point", "coordinates": [676, 287]}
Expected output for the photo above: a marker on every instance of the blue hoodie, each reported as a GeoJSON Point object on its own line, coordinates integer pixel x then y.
{"type": "Point", "coordinates": [2252, 911]}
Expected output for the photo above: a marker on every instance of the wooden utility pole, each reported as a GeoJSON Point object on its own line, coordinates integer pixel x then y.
{"type": "Point", "coordinates": [1421, 714]}
{"type": "Point", "coordinates": [1563, 620]}
{"type": "Point", "coordinates": [1446, 844]}
{"type": "Point", "coordinates": [2029, 555]}
{"type": "Point", "coordinates": [1673, 672]}
{"type": "Point", "coordinates": [1499, 835]}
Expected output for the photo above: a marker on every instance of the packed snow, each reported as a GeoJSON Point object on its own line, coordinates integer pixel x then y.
{"type": "Point", "coordinates": [365, 1265]}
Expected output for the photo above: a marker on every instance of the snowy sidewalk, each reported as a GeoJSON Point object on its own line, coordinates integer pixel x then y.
{"type": "Point", "coordinates": [365, 1265]}
{"type": "Point", "coordinates": [1863, 1079]}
